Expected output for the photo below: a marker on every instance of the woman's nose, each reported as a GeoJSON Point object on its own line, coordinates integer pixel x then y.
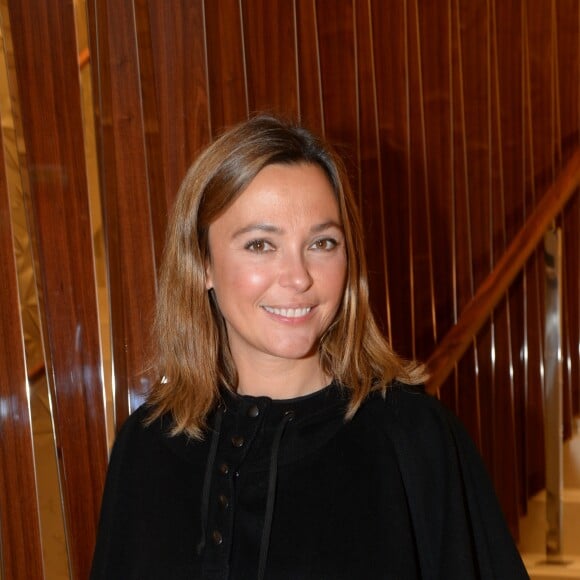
{"type": "Point", "coordinates": [295, 272]}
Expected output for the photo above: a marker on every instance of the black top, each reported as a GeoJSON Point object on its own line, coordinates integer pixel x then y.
{"type": "Point", "coordinates": [289, 490]}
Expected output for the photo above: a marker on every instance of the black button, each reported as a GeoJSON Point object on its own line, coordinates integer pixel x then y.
{"type": "Point", "coordinates": [224, 468]}
{"type": "Point", "coordinates": [237, 441]}
{"type": "Point", "coordinates": [217, 538]}
{"type": "Point", "coordinates": [223, 501]}
{"type": "Point", "coordinates": [253, 411]}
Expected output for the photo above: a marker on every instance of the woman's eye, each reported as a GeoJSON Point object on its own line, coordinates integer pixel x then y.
{"type": "Point", "coordinates": [325, 244]}
{"type": "Point", "coordinates": [258, 246]}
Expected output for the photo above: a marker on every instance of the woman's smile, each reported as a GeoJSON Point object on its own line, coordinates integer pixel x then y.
{"type": "Point", "coordinates": [288, 312]}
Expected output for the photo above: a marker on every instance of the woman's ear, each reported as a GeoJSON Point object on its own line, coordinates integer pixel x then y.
{"type": "Point", "coordinates": [208, 275]}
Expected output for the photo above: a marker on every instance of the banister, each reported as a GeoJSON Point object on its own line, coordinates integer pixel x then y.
{"type": "Point", "coordinates": [454, 344]}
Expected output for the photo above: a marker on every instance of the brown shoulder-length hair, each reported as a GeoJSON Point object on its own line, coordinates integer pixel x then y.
{"type": "Point", "coordinates": [192, 357]}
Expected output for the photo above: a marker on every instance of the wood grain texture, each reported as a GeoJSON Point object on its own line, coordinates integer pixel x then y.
{"type": "Point", "coordinates": [467, 400]}
{"type": "Point", "coordinates": [510, 146]}
{"type": "Point", "coordinates": [310, 103]}
{"type": "Point", "coordinates": [505, 456]}
{"type": "Point", "coordinates": [567, 32]}
{"type": "Point", "coordinates": [433, 207]}
{"type": "Point", "coordinates": [226, 61]}
{"type": "Point", "coordinates": [20, 530]}
{"type": "Point", "coordinates": [338, 73]}
{"type": "Point", "coordinates": [176, 101]}
{"type": "Point", "coordinates": [390, 33]}
{"type": "Point", "coordinates": [52, 123]}
{"type": "Point", "coordinates": [369, 181]}
{"type": "Point", "coordinates": [270, 56]}
{"type": "Point", "coordinates": [126, 198]}
{"type": "Point", "coordinates": [533, 282]}
{"type": "Point", "coordinates": [151, 120]}
{"type": "Point", "coordinates": [571, 267]}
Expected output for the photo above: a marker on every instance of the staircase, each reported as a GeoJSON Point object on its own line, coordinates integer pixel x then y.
{"type": "Point", "coordinates": [533, 526]}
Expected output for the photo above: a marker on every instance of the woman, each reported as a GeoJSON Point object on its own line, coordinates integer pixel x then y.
{"type": "Point", "coordinates": [283, 438]}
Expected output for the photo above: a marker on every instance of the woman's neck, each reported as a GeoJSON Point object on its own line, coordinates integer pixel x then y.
{"type": "Point", "coordinates": [281, 378]}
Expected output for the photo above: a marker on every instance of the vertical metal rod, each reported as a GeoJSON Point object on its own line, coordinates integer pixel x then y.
{"type": "Point", "coordinates": [553, 431]}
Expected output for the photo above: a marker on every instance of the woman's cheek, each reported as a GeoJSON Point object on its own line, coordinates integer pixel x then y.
{"type": "Point", "coordinates": [248, 276]}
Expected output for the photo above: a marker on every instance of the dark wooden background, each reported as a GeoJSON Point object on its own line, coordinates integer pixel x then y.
{"type": "Point", "coordinates": [454, 116]}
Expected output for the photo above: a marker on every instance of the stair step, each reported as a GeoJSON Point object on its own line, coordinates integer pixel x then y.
{"type": "Point", "coordinates": [538, 569]}
{"type": "Point", "coordinates": [533, 526]}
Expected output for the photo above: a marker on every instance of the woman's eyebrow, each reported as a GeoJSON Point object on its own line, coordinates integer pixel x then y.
{"type": "Point", "coordinates": [272, 229]}
{"type": "Point", "coordinates": [260, 227]}
{"type": "Point", "coordinates": [325, 226]}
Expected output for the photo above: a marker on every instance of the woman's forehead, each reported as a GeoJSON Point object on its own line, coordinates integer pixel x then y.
{"type": "Point", "coordinates": [280, 195]}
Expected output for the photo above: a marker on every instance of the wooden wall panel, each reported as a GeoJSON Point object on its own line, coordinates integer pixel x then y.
{"type": "Point", "coordinates": [475, 120]}
{"type": "Point", "coordinates": [570, 322]}
{"type": "Point", "coordinates": [52, 124]}
{"type": "Point", "coordinates": [125, 196]}
{"type": "Point", "coordinates": [225, 48]}
{"type": "Point", "coordinates": [270, 56]}
{"type": "Point", "coordinates": [567, 31]}
{"type": "Point", "coordinates": [506, 458]}
{"type": "Point", "coordinates": [541, 46]}
{"type": "Point", "coordinates": [467, 400]}
{"type": "Point", "coordinates": [424, 155]}
{"type": "Point", "coordinates": [437, 101]}
{"type": "Point", "coordinates": [481, 126]}
{"type": "Point", "coordinates": [533, 352]}
{"type": "Point", "coordinates": [310, 104]}
{"type": "Point", "coordinates": [338, 74]}
{"type": "Point", "coordinates": [509, 124]}
{"type": "Point", "coordinates": [369, 181]}
{"type": "Point", "coordinates": [532, 346]}
{"type": "Point", "coordinates": [390, 44]}
{"type": "Point", "coordinates": [20, 545]}
{"type": "Point", "coordinates": [151, 111]}
{"type": "Point", "coordinates": [571, 224]}
{"type": "Point", "coordinates": [176, 107]}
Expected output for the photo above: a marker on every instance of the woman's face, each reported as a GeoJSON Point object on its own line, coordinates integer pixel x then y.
{"type": "Point", "coordinates": [278, 264]}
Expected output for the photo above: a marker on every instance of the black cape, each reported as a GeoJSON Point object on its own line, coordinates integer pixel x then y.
{"type": "Point", "coordinates": [289, 490]}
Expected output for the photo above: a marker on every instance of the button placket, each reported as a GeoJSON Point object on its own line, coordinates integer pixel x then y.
{"type": "Point", "coordinates": [238, 432]}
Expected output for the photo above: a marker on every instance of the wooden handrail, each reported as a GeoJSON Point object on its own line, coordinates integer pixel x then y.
{"type": "Point", "coordinates": [451, 348]}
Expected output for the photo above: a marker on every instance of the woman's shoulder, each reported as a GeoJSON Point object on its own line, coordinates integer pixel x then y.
{"type": "Point", "coordinates": [135, 437]}
{"type": "Point", "coordinates": [410, 407]}
{"type": "Point", "coordinates": [420, 427]}
{"type": "Point", "coordinates": [139, 437]}
{"type": "Point", "coordinates": [137, 426]}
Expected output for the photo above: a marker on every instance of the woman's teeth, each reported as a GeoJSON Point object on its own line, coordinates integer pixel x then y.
{"type": "Point", "coordinates": [288, 312]}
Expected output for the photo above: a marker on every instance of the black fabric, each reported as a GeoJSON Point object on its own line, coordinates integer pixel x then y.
{"type": "Point", "coordinates": [399, 492]}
